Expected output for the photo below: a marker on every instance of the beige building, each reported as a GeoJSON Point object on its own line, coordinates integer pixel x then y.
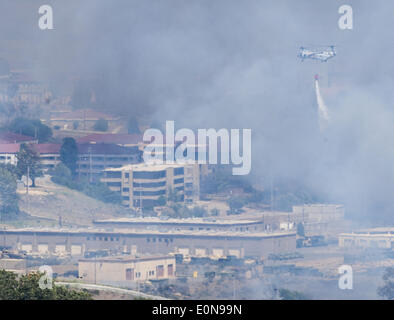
{"type": "Point", "coordinates": [83, 119]}
{"type": "Point", "coordinates": [320, 219]}
{"type": "Point", "coordinates": [109, 269]}
{"type": "Point", "coordinates": [145, 184]}
{"type": "Point", "coordinates": [368, 238]}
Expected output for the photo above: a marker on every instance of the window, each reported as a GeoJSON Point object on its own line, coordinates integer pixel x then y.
{"type": "Point", "coordinates": [178, 171]}
{"type": "Point", "coordinates": [170, 270]}
{"type": "Point", "coordinates": [160, 271]}
{"type": "Point", "coordinates": [176, 181]}
{"type": "Point", "coordinates": [113, 184]}
{"type": "Point", "coordinates": [149, 184]}
{"type": "Point", "coordinates": [149, 193]}
{"type": "Point", "coordinates": [130, 274]}
{"type": "Point", "coordinates": [114, 174]}
{"type": "Point", "coordinates": [150, 175]}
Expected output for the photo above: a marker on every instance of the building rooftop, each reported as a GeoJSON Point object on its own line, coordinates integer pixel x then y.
{"type": "Point", "coordinates": [146, 167]}
{"type": "Point", "coordinates": [106, 148]}
{"type": "Point", "coordinates": [9, 147]}
{"type": "Point", "coordinates": [48, 148]}
{"type": "Point", "coordinates": [127, 258]}
{"type": "Point", "coordinates": [177, 233]}
{"type": "Point", "coordinates": [83, 114]}
{"type": "Point", "coordinates": [10, 137]}
{"type": "Point", "coordinates": [372, 231]}
{"type": "Point", "coordinates": [191, 221]}
{"type": "Point", "coordinates": [116, 138]}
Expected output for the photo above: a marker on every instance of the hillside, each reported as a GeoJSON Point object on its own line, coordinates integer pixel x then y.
{"type": "Point", "coordinates": [49, 203]}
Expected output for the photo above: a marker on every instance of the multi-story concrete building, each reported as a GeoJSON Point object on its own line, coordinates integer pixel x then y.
{"type": "Point", "coordinates": [92, 158]}
{"type": "Point", "coordinates": [127, 268]}
{"type": "Point", "coordinates": [144, 184]}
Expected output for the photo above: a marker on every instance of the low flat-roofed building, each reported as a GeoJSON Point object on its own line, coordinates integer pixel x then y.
{"type": "Point", "coordinates": [75, 242]}
{"type": "Point", "coordinates": [145, 184]}
{"type": "Point", "coordinates": [368, 238]}
{"type": "Point", "coordinates": [8, 153]}
{"type": "Point", "coordinates": [127, 268]}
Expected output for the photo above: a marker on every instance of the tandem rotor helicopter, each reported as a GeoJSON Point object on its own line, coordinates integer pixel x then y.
{"type": "Point", "coordinates": [322, 53]}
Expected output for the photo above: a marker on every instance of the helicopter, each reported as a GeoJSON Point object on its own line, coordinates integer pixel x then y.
{"type": "Point", "coordinates": [322, 54]}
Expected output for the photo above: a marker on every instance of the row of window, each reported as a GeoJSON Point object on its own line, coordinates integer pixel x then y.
{"type": "Point", "coordinates": [149, 184]}
{"type": "Point", "coordinates": [95, 238]}
{"type": "Point", "coordinates": [149, 193]}
{"type": "Point", "coordinates": [166, 240]}
{"type": "Point", "coordinates": [150, 175]}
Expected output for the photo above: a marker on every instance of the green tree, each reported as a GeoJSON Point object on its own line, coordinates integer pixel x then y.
{"type": "Point", "coordinates": [8, 197]}
{"type": "Point", "coordinates": [31, 127]}
{"type": "Point", "coordinates": [27, 288]}
{"type": "Point", "coordinates": [28, 163]}
{"type": "Point", "coordinates": [286, 294]}
{"type": "Point", "coordinates": [235, 204]}
{"type": "Point", "coordinates": [387, 290]}
{"type": "Point", "coordinates": [69, 154]}
{"type": "Point", "coordinates": [101, 125]}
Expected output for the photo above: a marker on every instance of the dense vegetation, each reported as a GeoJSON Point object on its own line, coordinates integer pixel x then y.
{"type": "Point", "coordinates": [286, 294]}
{"type": "Point", "coordinates": [28, 163]}
{"type": "Point", "coordinates": [31, 127]}
{"type": "Point", "coordinates": [27, 287]}
{"type": "Point", "coordinates": [387, 290]}
{"type": "Point", "coordinates": [8, 197]}
{"type": "Point", "coordinates": [101, 125]}
{"type": "Point", "coordinates": [97, 190]}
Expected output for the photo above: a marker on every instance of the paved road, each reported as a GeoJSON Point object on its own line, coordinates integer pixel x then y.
{"type": "Point", "coordinates": [111, 289]}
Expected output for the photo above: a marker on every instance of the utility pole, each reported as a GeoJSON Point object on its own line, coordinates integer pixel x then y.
{"type": "Point", "coordinates": [90, 164]}
{"type": "Point", "coordinates": [27, 180]}
{"type": "Point", "coordinates": [272, 195]}
{"type": "Point", "coordinates": [27, 189]}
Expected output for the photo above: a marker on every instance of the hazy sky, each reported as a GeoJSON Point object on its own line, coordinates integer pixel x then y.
{"type": "Point", "coordinates": [233, 64]}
